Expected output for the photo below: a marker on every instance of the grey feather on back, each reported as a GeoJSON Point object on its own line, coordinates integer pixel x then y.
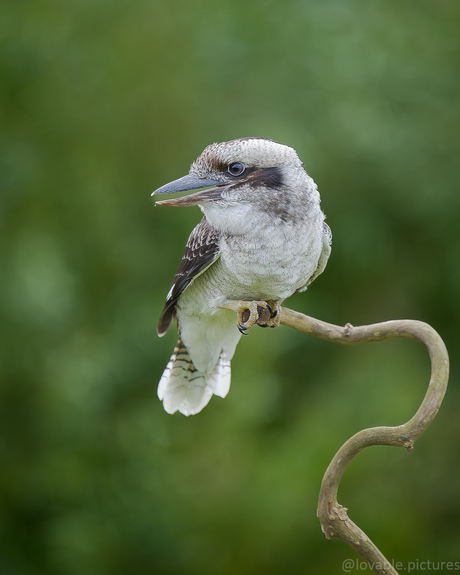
{"type": "Point", "coordinates": [201, 251]}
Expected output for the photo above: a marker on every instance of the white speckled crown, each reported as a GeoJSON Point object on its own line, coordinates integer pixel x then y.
{"type": "Point", "coordinates": [259, 152]}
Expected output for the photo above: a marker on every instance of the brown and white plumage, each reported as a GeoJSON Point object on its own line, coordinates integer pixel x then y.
{"type": "Point", "coordinates": [201, 250]}
{"type": "Point", "coordinates": [263, 238]}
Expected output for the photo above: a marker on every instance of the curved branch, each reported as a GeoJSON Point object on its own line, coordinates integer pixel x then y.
{"type": "Point", "coordinates": [333, 517]}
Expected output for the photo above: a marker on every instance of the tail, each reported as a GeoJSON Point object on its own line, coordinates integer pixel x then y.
{"type": "Point", "coordinates": [183, 388]}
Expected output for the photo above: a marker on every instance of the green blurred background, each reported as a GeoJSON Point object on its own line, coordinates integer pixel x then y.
{"type": "Point", "coordinates": [102, 102]}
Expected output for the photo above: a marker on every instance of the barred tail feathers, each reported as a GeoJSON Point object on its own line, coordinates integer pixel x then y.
{"type": "Point", "coordinates": [183, 388]}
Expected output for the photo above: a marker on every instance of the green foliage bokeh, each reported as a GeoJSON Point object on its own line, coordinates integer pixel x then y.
{"type": "Point", "coordinates": [100, 103]}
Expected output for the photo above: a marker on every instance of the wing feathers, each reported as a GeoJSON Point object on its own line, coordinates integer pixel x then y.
{"type": "Point", "coordinates": [201, 251]}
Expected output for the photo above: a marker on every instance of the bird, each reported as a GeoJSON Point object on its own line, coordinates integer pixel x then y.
{"type": "Point", "coordinates": [263, 237]}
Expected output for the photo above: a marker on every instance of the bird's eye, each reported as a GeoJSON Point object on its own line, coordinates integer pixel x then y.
{"type": "Point", "coordinates": [236, 169]}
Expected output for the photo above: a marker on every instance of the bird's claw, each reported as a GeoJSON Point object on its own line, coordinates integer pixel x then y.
{"type": "Point", "coordinates": [242, 328]}
{"type": "Point", "coordinates": [262, 313]}
{"type": "Point", "coordinates": [274, 319]}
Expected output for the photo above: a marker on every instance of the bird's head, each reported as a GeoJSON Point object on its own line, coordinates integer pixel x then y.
{"type": "Point", "coordinates": [248, 172]}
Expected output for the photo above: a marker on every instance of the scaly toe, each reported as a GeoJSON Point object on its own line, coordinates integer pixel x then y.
{"type": "Point", "coordinates": [248, 313]}
{"type": "Point", "coordinates": [264, 315]}
{"type": "Point", "coordinates": [275, 317]}
{"type": "Point", "coordinates": [268, 313]}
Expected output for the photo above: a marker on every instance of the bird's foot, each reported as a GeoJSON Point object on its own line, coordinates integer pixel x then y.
{"type": "Point", "coordinates": [263, 313]}
{"type": "Point", "coordinates": [273, 317]}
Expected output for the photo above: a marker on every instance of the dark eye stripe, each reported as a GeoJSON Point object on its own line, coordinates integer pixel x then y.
{"type": "Point", "coordinates": [271, 178]}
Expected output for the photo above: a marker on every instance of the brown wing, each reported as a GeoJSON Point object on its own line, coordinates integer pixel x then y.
{"type": "Point", "coordinates": [201, 251]}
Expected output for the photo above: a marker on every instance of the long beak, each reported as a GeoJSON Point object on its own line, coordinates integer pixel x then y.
{"type": "Point", "coordinates": [191, 182]}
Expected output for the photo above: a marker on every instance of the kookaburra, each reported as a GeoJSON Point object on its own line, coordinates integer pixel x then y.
{"type": "Point", "coordinates": [262, 238]}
